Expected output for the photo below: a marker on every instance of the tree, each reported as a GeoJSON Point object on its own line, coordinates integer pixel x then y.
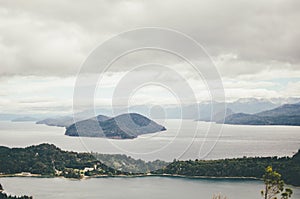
{"type": "Point", "coordinates": [274, 185]}
{"type": "Point", "coordinates": [219, 196]}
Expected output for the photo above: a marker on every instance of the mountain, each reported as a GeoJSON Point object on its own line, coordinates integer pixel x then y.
{"type": "Point", "coordinates": [287, 110]}
{"type": "Point", "coordinates": [251, 105]}
{"type": "Point", "coordinates": [24, 119]}
{"type": "Point", "coordinates": [20, 116]}
{"type": "Point", "coordinates": [288, 114]}
{"type": "Point", "coordinates": [202, 111]}
{"type": "Point", "coordinates": [219, 116]}
{"type": "Point", "coordinates": [7, 116]}
{"type": "Point", "coordinates": [67, 121]}
{"type": "Point", "coordinates": [248, 106]}
{"type": "Point", "coordinates": [282, 101]}
{"type": "Point", "coordinates": [243, 118]}
{"type": "Point", "coordinates": [60, 121]}
{"type": "Point", "coordinates": [213, 110]}
{"type": "Point", "coordinates": [125, 126]}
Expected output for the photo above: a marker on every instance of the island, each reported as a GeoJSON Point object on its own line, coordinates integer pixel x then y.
{"type": "Point", "coordinates": [125, 126]}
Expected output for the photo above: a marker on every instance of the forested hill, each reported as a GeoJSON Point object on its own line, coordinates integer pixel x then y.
{"type": "Point", "coordinates": [46, 159]}
{"type": "Point", "coordinates": [239, 167]}
{"type": "Point", "coordinates": [49, 160]}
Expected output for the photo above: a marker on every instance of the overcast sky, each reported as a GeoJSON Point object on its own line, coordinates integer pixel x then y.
{"type": "Point", "coordinates": [253, 44]}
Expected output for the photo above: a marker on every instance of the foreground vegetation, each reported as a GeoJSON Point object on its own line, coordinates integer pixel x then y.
{"type": "Point", "coordinates": [274, 185]}
{"type": "Point", "coordinates": [5, 196]}
{"type": "Point", "coordinates": [48, 160]}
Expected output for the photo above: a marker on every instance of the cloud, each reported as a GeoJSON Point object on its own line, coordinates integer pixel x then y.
{"type": "Point", "coordinates": [44, 44]}
{"type": "Point", "coordinates": [47, 38]}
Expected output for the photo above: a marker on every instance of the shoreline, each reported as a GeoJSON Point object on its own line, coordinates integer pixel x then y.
{"type": "Point", "coordinates": [129, 176]}
{"type": "Point", "coordinates": [138, 176]}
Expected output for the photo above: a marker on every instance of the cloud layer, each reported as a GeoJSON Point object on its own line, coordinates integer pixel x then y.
{"type": "Point", "coordinates": [254, 45]}
{"type": "Point", "coordinates": [47, 38]}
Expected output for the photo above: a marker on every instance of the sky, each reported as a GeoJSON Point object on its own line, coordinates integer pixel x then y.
{"type": "Point", "coordinates": [254, 46]}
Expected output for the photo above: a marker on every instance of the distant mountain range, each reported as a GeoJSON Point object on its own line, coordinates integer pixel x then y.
{"type": "Point", "coordinates": [125, 126]}
{"type": "Point", "coordinates": [204, 111]}
{"type": "Point", "coordinates": [288, 114]}
{"type": "Point", "coordinates": [64, 121]}
{"type": "Point", "coordinates": [242, 111]}
{"type": "Point", "coordinates": [24, 119]}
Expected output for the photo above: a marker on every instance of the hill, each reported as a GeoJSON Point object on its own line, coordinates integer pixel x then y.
{"type": "Point", "coordinates": [286, 110]}
{"type": "Point", "coordinates": [128, 164]}
{"type": "Point", "coordinates": [288, 114]}
{"type": "Point", "coordinates": [49, 160]}
{"type": "Point", "coordinates": [125, 126]}
{"type": "Point", "coordinates": [238, 167]}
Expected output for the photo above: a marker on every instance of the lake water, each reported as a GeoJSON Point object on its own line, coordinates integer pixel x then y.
{"type": "Point", "coordinates": [185, 143]}
{"type": "Point", "coordinates": [134, 188]}
{"type": "Point", "coordinates": [179, 143]}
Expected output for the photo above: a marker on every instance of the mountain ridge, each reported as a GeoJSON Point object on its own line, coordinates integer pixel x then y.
{"type": "Point", "coordinates": [287, 114]}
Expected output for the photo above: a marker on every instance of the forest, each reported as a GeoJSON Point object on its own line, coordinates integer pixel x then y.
{"type": "Point", "coordinates": [246, 167]}
{"type": "Point", "coordinates": [49, 160]}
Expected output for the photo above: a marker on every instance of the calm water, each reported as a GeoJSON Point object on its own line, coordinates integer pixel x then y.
{"type": "Point", "coordinates": [185, 143]}
{"type": "Point", "coordinates": [134, 188]}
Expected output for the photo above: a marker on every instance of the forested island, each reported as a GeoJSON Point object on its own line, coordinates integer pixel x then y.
{"type": "Point", "coordinates": [48, 160]}
{"type": "Point", "coordinates": [124, 126]}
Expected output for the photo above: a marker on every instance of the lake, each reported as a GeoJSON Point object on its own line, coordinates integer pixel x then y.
{"type": "Point", "coordinates": [180, 141]}
{"type": "Point", "coordinates": [134, 188]}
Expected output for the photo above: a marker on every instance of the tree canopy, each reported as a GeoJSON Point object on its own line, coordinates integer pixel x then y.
{"type": "Point", "coordinates": [274, 185]}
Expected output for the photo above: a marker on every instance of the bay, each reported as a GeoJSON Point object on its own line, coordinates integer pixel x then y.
{"type": "Point", "coordinates": [180, 141]}
{"type": "Point", "coordinates": [134, 188]}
